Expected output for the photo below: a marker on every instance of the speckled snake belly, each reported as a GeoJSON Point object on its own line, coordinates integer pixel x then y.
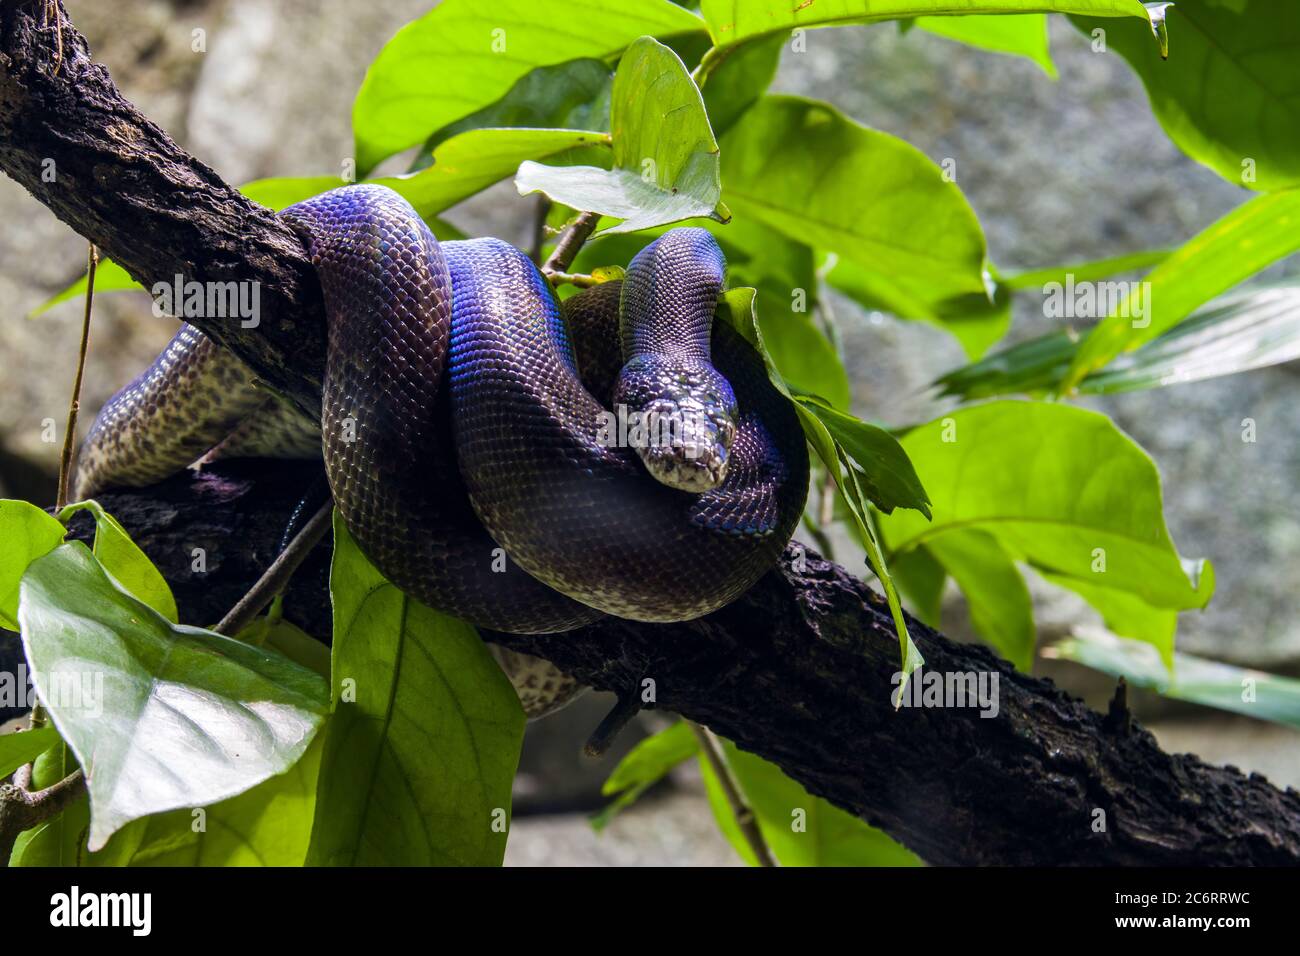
{"type": "Point", "coordinates": [475, 436]}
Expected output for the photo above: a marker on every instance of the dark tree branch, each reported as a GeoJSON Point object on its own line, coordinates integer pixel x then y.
{"type": "Point", "coordinates": [69, 136]}
{"type": "Point", "coordinates": [798, 670]}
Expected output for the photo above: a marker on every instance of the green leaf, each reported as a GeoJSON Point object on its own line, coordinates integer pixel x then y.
{"type": "Point", "coordinates": [886, 474]}
{"type": "Point", "coordinates": [21, 748]}
{"type": "Point", "coordinates": [1001, 610]}
{"type": "Point", "coordinates": [269, 825]}
{"type": "Point", "coordinates": [1086, 271]}
{"type": "Point", "coordinates": [26, 533]}
{"type": "Point", "coordinates": [1240, 244]}
{"type": "Point", "coordinates": [423, 743]}
{"type": "Point", "coordinates": [123, 559]}
{"type": "Point", "coordinates": [734, 21]}
{"type": "Point", "coordinates": [1195, 679]}
{"type": "Point", "coordinates": [162, 715]}
{"type": "Point", "coordinates": [1238, 332]}
{"type": "Point", "coordinates": [1059, 487]}
{"type": "Point", "coordinates": [645, 765]}
{"type": "Point", "coordinates": [464, 55]}
{"type": "Point", "coordinates": [665, 157]}
{"type": "Point", "coordinates": [572, 95]}
{"type": "Point", "coordinates": [921, 579]}
{"type": "Point", "coordinates": [1127, 615]}
{"type": "Point", "coordinates": [1024, 35]}
{"type": "Point", "coordinates": [973, 319]}
{"type": "Point", "coordinates": [799, 829]}
{"type": "Point", "coordinates": [1231, 91]}
{"type": "Point", "coordinates": [740, 80]}
{"type": "Point", "coordinates": [806, 170]}
{"type": "Point", "coordinates": [109, 277]}
{"type": "Point", "coordinates": [291, 641]}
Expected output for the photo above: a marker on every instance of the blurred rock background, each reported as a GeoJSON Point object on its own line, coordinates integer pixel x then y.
{"type": "Point", "coordinates": [1058, 171]}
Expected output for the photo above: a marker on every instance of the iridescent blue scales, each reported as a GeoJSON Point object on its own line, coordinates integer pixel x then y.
{"type": "Point", "coordinates": [466, 425]}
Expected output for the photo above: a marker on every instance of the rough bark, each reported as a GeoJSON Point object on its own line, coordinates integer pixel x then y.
{"type": "Point", "coordinates": [798, 671]}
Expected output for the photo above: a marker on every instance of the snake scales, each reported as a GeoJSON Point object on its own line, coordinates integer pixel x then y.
{"type": "Point", "coordinates": [466, 428]}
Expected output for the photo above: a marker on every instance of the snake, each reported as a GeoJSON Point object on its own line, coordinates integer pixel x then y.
{"type": "Point", "coordinates": [526, 465]}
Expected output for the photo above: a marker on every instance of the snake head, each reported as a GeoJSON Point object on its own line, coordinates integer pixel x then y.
{"type": "Point", "coordinates": [680, 418]}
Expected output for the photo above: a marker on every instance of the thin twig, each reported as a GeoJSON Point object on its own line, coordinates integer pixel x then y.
{"type": "Point", "coordinates": [542, 211]}
{"type": "Point", "coordinates": [65, 462]}
{"type": "Point", "coordinates": [625, 708]}
{"type": "Point", "coordinates": [745, 819]}
{"type": "Point", "coordinates": [273, 580]}
{"type": "Point", "coordinates": [570, 241]}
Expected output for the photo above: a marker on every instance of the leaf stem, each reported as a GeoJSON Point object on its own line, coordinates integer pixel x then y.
{"type": "Point", "coordinates": [745, 819]}
{"type": "Point", "coordinates": [65, 461]}
{"type": "Point", "coordinates": [273, 580]}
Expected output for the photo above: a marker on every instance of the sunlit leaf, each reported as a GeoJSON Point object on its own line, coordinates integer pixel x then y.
{"type": "Point", "coordinates": [465, 54]}
{"type": "Point", "coordinates": [644, 766]}
{"type": "Point", "coordinates": [423, 743]}
{"type": "Point", "coordinates": [26, 533]}
{"type": "Point", "coordinates": [665, 165]}
{"type": "Point", "coordinates": [123, 559]}
{"type": "Point", "coordinates": [161, 715]}
{"type": "Point", "coordinates": [1059, 487]}
{"type": "Point", "coordinates": [1240, 244]}
{"type": "Point", "coordinates": [1229, 95]}
{"type": "Point", "coordinates": [1024, 35]}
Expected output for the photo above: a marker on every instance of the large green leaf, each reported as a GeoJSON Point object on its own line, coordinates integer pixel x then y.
{"type": "Point", "coordinates": [734, 21]}
{"type": "Point", "coordinates": [1127, 615]}
{"type": "Point", "coordinates": [884, 470]}
{"type": "Point", "coordinates": [645, 765]}
{"type": "Point", "coordinates": [269, 825]}
{"type": "Point", "coordinates": [799, 829]}
{"type": "Point", "coordinates": [738, 82]}
{"type": "Point", "coordinates": [1057, 486]}
{"type": "Point", "coordinates": [109, 277]}
{"type": "Point", "coordinates": [1025, 35]}
{"type": "Point", "coordinates": [464, 55]}
{"type": "Point", "coordinates": [1195, 679]}
{"type": "Point", "coordinates": [973, 319]}
{"type": "Point", "coordinates": [19, 749]}
{"type": "Point", "coordinates": [423, 743]}
{"type": "Point", "coordinates": [1001, 610]}
{"type": "Point", "coordinates": [124, 560]}
{"type": "Point", "coordinates": [1245, 330]}
{"type": "Point", "coordinates": [161, 716]}
{"type": "Point", "coordinates": [1229, 95]}
{"type": "Point", "coordinates": [26, 533]}
{"type": "Point", "coordinates": [572, 95]}
{"type": "Point", "coordinates": [1234, 248]}
{"type": "Point", "coordinates": [665, 157]}
{"type": "Point", "coordinates": [804, 169]}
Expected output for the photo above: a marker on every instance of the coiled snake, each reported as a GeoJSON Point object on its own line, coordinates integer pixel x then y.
{"type": "Point", "coordinates": [487, 449]}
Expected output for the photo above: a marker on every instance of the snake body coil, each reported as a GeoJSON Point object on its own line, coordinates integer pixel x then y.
{"type": "Point", "coordinates": [466, 424]}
